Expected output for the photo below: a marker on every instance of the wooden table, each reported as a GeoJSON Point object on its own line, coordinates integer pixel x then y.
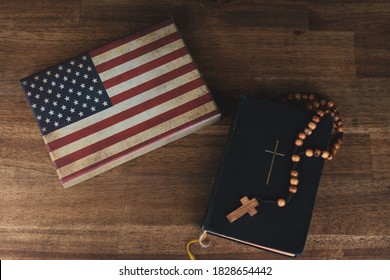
{"type": "Point", "coordinates": [150, 207]}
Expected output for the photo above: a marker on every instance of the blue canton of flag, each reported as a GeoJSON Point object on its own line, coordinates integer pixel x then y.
{"type": "Point", "coordinates": [65, 93]}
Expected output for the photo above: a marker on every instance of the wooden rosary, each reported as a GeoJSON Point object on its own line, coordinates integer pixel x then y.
{"type": "Point", "coordinates": [322, 107]}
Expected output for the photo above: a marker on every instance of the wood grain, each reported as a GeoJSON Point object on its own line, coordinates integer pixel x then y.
{"type": "Point", "coordinates": [370, 24]}
{"type": "Point", "coordinates": [17, 14]}
{"type": "Point", "coordinates": [336, 48]}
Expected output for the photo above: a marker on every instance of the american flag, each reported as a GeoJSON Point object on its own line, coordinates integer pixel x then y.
{"type": "Point", "coordinates": [112, 104]}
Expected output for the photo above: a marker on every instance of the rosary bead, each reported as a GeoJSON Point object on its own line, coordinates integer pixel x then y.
{"type": "Point", "coordinates": [281, 202]}
{"type": "Point", "coordinates": [308, 131]}
{"type": "Point", "coordinates": [317, 152]}
{"type": "Point", "coordinates": [309, 152]}
{"type": "Point", "coordinates": [316, 119]}
{"type": "Point", "coordinates": [312, 125]}
{"type": "Point", "coordinates": [293, 189]}
{"type": "Point", "coordinates": [322, 107]}
{"type": "Point", "coordinates": [294, 181]}
{"type": "Point", "coordinates": [321, 113]}
{"type": "Point", "coordinates": [295, 158]}
{"type": "Point", "coordinates": [302, 135]}
{"type": "Point", "coordinates": [330, 103]}
{"type": "Point", "coordinates": [325, 154]}
{"type": "Point", "coordinates": [298, 142]}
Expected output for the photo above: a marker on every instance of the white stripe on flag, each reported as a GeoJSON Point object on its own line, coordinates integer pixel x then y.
{"type": "Point", "coordinates": [143, 78]}
{"type": "Point", "coordinates": [136, 139]}
{"type": "Point", "coordinates": [130, 122]}
{"type": "Point", "coordinates": [142, 150]}
{"type": "Point", "coordinates": [135, 44]}
{"type": "Point", "coordinates": [120, 107]}
{"type": "Point", "coordinates": [141, 60]}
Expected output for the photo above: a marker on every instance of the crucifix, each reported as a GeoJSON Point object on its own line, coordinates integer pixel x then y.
{"type": "Point", "coordinates": [274, 154]}
{"type": "Point", "coordinates": [249, 206]}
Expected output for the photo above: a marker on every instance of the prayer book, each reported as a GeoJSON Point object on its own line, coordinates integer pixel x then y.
{"type": "Point", "coordinates": [256, 163]}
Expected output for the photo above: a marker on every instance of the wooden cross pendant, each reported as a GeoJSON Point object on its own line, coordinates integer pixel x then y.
{"type": "Point", "coordinates": [248, 206]}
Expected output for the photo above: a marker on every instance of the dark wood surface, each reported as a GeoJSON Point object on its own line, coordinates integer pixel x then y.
{"type": "Point", "coordinates": [150, 207]}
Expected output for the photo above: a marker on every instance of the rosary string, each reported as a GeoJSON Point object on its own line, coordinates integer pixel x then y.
{"type": "Point", "coordinates": [321, 107]}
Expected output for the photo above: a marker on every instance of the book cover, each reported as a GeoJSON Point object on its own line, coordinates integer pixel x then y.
{"type": "Point", "coordinates": [117, 102]}
{"type": "Point", "coordinates": [256, 163]}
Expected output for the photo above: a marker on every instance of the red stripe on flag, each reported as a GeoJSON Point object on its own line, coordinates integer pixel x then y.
{"type": "Point", "coordinates": [77, 135]}
{"type": "Point", "coordinates": [138, 52]}
{"type": "Point", "coordinates": [131, 37]}
{"type": "Point", "coordinates": [109, 141]}
{"type": "Point", "coordinates": [135, 148]}
{"type": "Point", "coordinates": [153, 83]}
{"type": "Point", "coordinates": [145, 68]}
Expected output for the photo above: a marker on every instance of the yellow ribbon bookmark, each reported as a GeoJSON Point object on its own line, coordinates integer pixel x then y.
{"type": "Point", "coordinates": [200, 240]}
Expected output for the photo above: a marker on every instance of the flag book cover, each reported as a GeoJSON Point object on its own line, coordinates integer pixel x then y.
{"type": "Point", "coordinates": [117, 102]}
{"type": "Point", "coordinates": [257, 163]}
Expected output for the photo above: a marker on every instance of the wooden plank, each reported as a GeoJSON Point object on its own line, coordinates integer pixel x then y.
{"type": "Point", "coordinates": [353, 159]}
{"type": "Point", "coordinates": [351, 247]}
{"type": "Point", "coordinates": [195, 15]}
{"type": "Point", "coordinates": [19, 15]}
{"type": "Point", "coordinates": [309, 54]}
{"type": "Point", "coordinates": [368, 95]}
{"type": "Point", "coordinates": [369, 21]}
{"type": "Point", "coordinates": [133, 246]}
{"type": "Point", "coordinates": [344, 16]}
{"type": "Point", "coordinates": [258, 50]}
{"type": "Point", "coordinates": [260, 53]}
{"type": "Point", "coordinates": [56, 242]}
{"type": "Point", "coordinates": [351, 205]}
{"type": "Point", "coordinates": [46, 47]}
{"type": "Point", "coordinates": [380, 153]}
{"type": "Point", "coordinates": [373, 53]}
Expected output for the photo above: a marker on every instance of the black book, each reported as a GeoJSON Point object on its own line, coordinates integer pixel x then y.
{"type": "Point", "coordinates": [257, 163]}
